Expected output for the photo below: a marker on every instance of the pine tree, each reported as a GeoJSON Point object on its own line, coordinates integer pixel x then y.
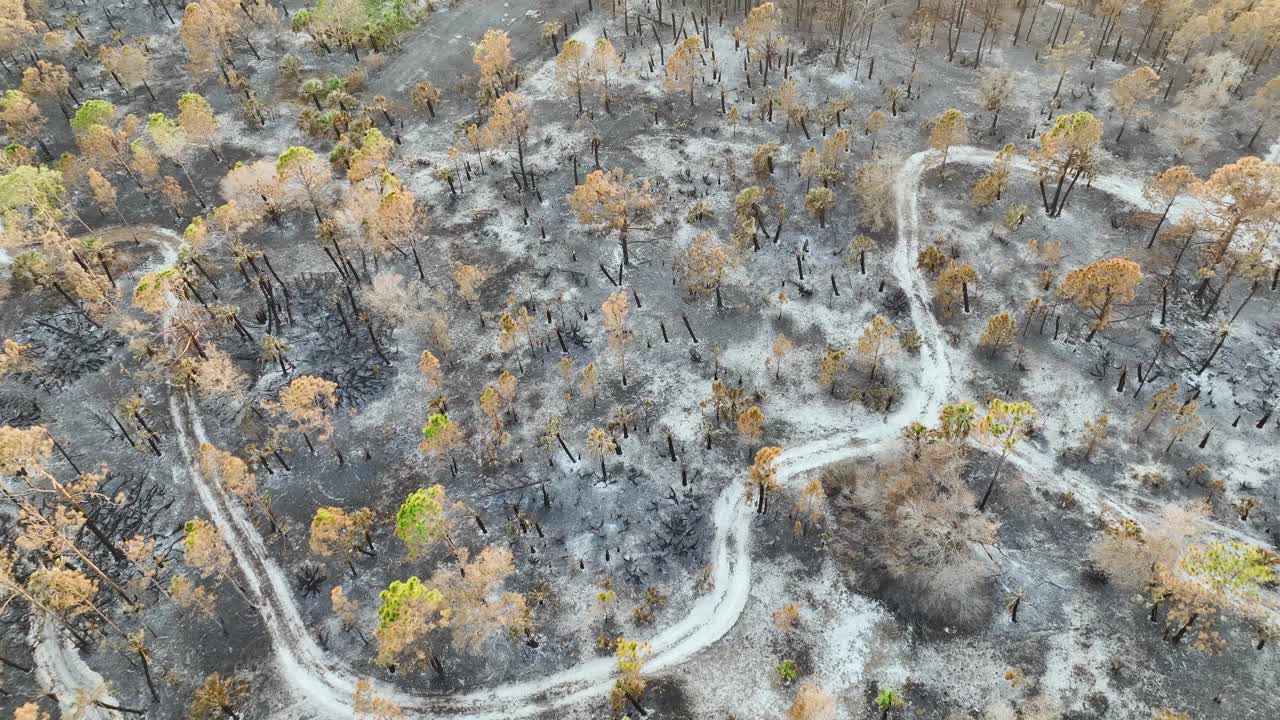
{"type": "Point", "coordinates": [749, 219]}
{"type": "Point", "coordinates": [49, 80]}
{"type": "Point", "coordinates": [477, 609]}
{"type": "Point", "coordinates": [426, 518]}
{"type": "Point", "coordinates": [1062, 57]}
{"type": "Point", "coordinates": [613, 315]}
{"type": "Point", "coordinates": [631, 656]}
{"type": "Point", "coordinates": [22, 119]}
{"type": "Point", "coordinates": [1067, 152]}
{"type": "Point", "coordinates": [606, 66]}
{"type": "Point", "coordinates": [1098, 287]}
{"type": "Point", "coordinates": [609, 201]}
{"type": "Point", "coordinates": [833, 364]}
{"type": "Point", "coordinates": [493, 56]}
{"type": "Point", "coordinates": [1130, 93]}
{"type": "Point", "coordinates": [750, 423]}
{"type": "Point", "coordinates": [780, 348]}
{"type": "Point", "coordinates": [307, 403]}
{"type": "Point", "coordinates": [170, 140]}
{"type": "Point", "coordinates": [369, 705]}
{"type": "Point", "coordinates": [1095, 433]}
{"type": "Point", "coordinates": [1262, 106]}
{"type": "Point", "coordinates": [760, 33]}
{"type": "Point", "coordinates": [573, 69]}
{"type": "Point", "coordinates": [1006, 424]}
{"type": "Point", "coordinates": [952, 287]}
{"type": "Point", "coordinates": [345, 609]}
{"type": "Point", "coordinates": [1209, 581]}
{"type": "Point", "coordinates": [198, 121]}
{"type": "Point", "coordinates": [441, 436]}
{"type": "Point", "coordinates": [16, 29]}
{"type": "Point", "coordinates": [876, 121]}
{"type": "Point", "coordinates": [68, 593]}
{"type": "Point", "coordinates": [372, 159]}
{"type": "Point", "coordinates": [702, 267]}
{"type": "Point", "coordinates": [29, 711]}
{"type": "Point", "coordinates": [409, 611]}
{"type": "Point", "coordinates": [1244, 192]}
{"type": "Point", "coordinates": [949, 128]}
{"type": "Point", "coordinates": [792, 104]}
{"type": "Point", "coordinates": [873, 187]}
{"type": "Point", "coordinates": [204, 549]}
{"type": "Point", "coordinates": [1162, 403]}
{"type": "Point", "coordinates": [999, 332]}
{"type": "Point", "coordinates": [590, 382]}
{"type": "Point", "coordinates": [995, 85]}
{"type": "Point", "coordinates": [25, 453]}
{"type": "Point", "coordinates": [762, 477]}
{"type": "Point", "coordinates": [491, 405]}
{"type": "Point", "coordinates": [256, 191]}
{"type": "Point", "coordinates": [429, 366]}
{"type": "Point", "coordinates": [811, 497]}
{"type": "Point", "coordinates": [188, 595]}
{"type": "Point", "coordinates": [304, 177]}
{"type": "Point", "coordinates": [467, 279]}
{"type": "Point", "coordinates": [335, 532]}
{"type": "Point", "coordinates": [876, 343]}
{"type": "Point", "coordinates": [508, 124]}
{"type": "Point", "coordinates": [233, 474]}
{"type": "Point", "coordinates": [13, 358]}
{"type": "Point", "coordinates": [990, 186]}
{"type": "Point", "coordinates": [835, 151]}
{"type": "Point", "coordinates": [681, 72]}
{"type": "Point", "coordinates": [1185, 422]}
{"type": "Point", "coordinates": [1164, 189]}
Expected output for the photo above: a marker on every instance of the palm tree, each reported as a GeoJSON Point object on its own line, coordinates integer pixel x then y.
{"type": "Point", "coordinates": [312, 89]}
{"type": "Point", "coordinates": [218, 696]}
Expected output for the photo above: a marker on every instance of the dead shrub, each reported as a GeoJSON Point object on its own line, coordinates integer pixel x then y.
{"type": "Point", "coordinates": [911, 532]}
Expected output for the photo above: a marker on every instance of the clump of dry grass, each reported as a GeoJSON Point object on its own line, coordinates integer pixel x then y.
{"type": "Point", "coordinates": [910, 531]}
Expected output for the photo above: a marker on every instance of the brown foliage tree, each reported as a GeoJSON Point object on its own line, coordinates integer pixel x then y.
{"type": "Point", "coordinates": [608, 200]}
{"type": "Point", "coordinates": [1130, 93]}
{"type": "Point", "coordinates": [1098, 287]}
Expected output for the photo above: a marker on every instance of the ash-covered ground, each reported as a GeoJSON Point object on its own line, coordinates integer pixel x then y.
{"type": "Point", "coordinates": [1115, 570]}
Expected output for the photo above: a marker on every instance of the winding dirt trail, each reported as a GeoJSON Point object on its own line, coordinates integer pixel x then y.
{"type": "Point", "coordinates": [323, 685]}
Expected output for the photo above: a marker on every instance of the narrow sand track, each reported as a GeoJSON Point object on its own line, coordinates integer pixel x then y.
{"type": "Point", "coordinates": [322, 685]}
